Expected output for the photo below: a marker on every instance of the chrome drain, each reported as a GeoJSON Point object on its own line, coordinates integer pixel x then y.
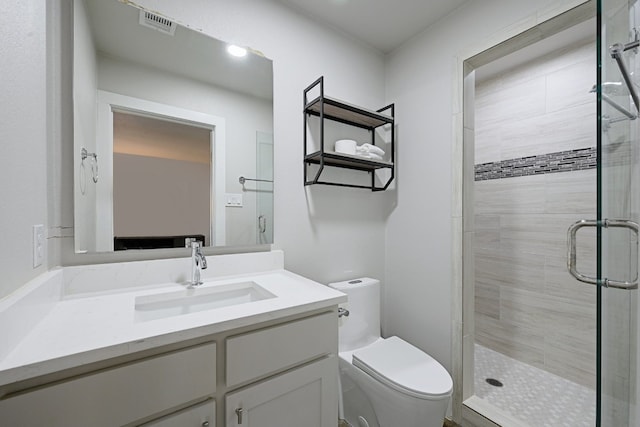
{"type": "Point", "coordinates": [494, 382]}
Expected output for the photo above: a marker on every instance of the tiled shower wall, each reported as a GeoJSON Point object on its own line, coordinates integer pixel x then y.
{"type": "Point", "coordinates": [535, 133]}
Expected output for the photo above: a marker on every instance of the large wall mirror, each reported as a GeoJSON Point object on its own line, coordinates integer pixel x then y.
{"type": "Point", "coordinates": [173, 135]}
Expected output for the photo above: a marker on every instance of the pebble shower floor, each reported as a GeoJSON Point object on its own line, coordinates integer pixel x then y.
{"type": "Point", "coordinates": [532, 395]}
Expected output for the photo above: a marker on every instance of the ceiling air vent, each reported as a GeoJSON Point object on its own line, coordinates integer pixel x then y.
{"type": "Point", "coordinates": [157, 22]}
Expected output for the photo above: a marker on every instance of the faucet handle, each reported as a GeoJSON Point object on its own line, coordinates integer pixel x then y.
{"type": "Point", "coordinates": [203, 260]}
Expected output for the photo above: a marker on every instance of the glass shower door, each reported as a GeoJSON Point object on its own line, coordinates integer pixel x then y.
{"type": "Point", "coordinates": [618, 213]}
{"type": "Point", "coordinates": [264, 187]}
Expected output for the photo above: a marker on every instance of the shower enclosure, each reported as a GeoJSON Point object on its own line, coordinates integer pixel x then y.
{"type": "Point", "coordinates": [535, 175]}
{"type": "Point", "coordinates": [610, 224]}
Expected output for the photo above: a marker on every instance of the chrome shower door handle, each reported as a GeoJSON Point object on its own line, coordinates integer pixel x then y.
{"type": "Point", "coordinates": [571, 251]}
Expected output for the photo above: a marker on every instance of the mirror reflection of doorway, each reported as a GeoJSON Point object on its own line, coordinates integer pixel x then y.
{"type": "Point", "coordinates": [162, 174]}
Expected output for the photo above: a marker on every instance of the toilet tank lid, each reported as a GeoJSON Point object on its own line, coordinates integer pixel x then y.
{"type": "Point", "coordinates": [353, 283]}
{"type": "Point", "coordinates": [404, 368]}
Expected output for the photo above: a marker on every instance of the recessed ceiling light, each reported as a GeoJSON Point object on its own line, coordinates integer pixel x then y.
{"type": "Point", "coordinates": [236, 50]}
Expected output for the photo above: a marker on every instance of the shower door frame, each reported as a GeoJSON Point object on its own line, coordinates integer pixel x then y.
{"type": "Point", "coordinates": [465, 406]}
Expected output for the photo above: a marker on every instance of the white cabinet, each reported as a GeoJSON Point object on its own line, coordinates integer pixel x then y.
{"type": "Point", "coordinates": [200, 415]}
{"type": "Point", "coordinates": [277, 374]}
{"type": "Point", "coordinates": [119, 395]}
{"type": "Point", "coordinates": [305, 396]}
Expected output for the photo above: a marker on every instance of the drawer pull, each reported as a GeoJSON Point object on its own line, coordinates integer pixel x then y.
{"type": "Point", "coordinates": [205, 424]}
{"type": "Point", "coordinates": [239, 414]}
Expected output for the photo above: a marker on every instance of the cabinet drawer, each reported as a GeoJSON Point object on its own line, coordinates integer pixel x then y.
{"type": "Point", "coordinates": [260, 353]}
{"type": "Point", "coordinates": [119, 395]}
{"type": "Point", "coordinates": [200, 415]}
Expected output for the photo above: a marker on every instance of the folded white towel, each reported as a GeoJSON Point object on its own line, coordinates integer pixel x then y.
{"type": "Point", "coordinates": [371, 156]}
{"type": "Point", "coordinates": [369, 148]}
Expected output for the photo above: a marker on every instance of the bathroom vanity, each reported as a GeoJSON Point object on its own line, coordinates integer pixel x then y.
{"type": "Point", "coordinates": [246, 349]}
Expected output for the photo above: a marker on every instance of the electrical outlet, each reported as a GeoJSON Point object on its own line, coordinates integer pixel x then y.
{"type": "Point", "coordinates": [233, 200]}
{"type": "Point", "coordinates": [38, 245]}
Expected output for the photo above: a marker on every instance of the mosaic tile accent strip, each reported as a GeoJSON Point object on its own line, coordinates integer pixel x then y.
{"type": "Point", "coordinates": [535, 397]}
{"type": "Point", "coordinates": [562, 161]}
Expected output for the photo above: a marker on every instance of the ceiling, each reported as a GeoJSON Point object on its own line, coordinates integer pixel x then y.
{"type": "Point", "coordinates": [382, 24]}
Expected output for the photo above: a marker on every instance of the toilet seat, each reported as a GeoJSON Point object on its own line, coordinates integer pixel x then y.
{"type": "Point", "coordinates": [405, 368]}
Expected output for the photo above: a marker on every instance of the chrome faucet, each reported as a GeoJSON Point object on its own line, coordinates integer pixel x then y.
{"type": "Point", "coordinates": [198, 263]}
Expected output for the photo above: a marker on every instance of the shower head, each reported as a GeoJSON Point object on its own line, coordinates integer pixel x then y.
{"type": "Point", "coordinates": [609, 88]}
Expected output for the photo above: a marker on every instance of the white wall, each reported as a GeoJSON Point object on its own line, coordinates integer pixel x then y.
{"type": "Point", "coordinates": [419, 79]}
{"type": "Point", "coordinates": [23, 139]}
{"type": "Point", "coordinates": [327, 233]}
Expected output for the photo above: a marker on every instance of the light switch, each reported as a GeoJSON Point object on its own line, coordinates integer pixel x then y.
{"type": "Point", "coordinates": [233, 200]}
{"type": "Point", "coordinates": [38, 245]}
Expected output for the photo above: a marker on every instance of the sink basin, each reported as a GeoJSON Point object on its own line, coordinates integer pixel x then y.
{"type": "Point", "coordinates": [158, 306]}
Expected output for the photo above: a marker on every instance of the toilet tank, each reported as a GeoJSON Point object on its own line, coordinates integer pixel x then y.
{"type": "Point", "coordinates": [362, 326]}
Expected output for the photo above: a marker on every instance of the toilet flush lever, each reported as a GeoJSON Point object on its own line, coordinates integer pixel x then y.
{"type": "Point", "coordinates": [343, 312]}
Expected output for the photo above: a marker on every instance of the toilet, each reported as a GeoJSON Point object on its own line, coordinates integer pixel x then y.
{"type": "Point", "coordinates": [385, 382]}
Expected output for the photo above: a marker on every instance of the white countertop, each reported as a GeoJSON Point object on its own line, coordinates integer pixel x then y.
{"type": "Point", "coordinates": [86, 328]}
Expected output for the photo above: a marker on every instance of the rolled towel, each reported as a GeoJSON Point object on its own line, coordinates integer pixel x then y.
{"type": "Point", "coordinates": [345, 146]}
{"type": "Point", "coordinates": [369, 148]}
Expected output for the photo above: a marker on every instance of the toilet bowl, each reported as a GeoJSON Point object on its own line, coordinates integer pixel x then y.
{"type": "Point", "coordinates": [386, 382]}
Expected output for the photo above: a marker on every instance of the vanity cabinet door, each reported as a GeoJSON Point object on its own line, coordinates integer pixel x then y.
{"type": "Point", "coordinates": [200, 415]}
{"type": "Point", "coordinates": [306, 396]}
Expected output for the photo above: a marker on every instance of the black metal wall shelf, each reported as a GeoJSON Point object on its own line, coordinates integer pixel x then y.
{"type": "Point", "coordinates": [349, 114]}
